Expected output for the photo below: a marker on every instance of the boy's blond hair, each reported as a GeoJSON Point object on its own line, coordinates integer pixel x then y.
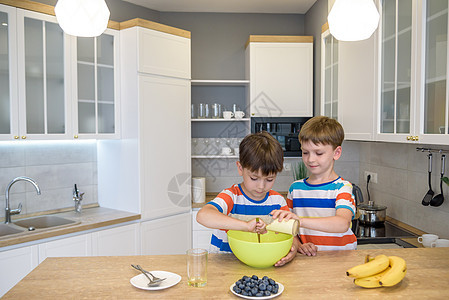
{"type": "Point", "coordinates": [322, 130]}
{"type": "Point", "coordinates": [261, 151]}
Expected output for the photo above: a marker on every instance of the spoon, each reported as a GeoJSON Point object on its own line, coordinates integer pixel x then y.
{"type": "Point", "coordinates": [258, 235]}
{"type": "Point", "coordinates": [428, 197]}
{"type": "Point", "coordinates": [439, 199]}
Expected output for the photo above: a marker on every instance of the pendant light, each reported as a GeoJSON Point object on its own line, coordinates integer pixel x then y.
{"type": "Point", "coordinates": [353, 20]}
{"type": "Point", "coordinates": [85, 18]}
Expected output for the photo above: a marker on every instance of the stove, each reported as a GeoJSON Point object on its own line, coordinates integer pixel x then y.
{"type": "Point", "coordinates": [385, 233]}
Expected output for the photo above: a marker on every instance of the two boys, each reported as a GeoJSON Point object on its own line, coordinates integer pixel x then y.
{"type": "Point", "coordinates": [323, 203]}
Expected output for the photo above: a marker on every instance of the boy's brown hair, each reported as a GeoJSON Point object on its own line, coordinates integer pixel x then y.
{"type": "Point", "coordinates": [322, 130]}
{"type": "Point", "coordinates": [261, 151]}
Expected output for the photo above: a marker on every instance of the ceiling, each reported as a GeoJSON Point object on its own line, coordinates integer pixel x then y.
{"type": "Point", "coordinates": [228, 6]}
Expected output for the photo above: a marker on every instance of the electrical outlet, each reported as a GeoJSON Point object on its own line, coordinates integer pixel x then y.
{"type": "Point", "coordinates": [287, 166]}
{"type": "Point", "coordinates": [373, 176]}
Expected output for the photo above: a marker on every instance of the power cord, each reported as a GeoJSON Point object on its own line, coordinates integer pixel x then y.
{"type": "Point", "coordinates": [368, 178]}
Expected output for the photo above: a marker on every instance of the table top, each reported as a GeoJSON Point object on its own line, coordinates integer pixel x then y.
{"type": "Point", "coordinates": [322, 276]}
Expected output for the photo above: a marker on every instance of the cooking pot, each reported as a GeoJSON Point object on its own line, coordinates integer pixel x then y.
{"type": "Point", "coordinates": [368, 214]}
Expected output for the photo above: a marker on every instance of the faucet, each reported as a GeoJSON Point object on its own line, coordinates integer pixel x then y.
{"type": "Point", "coordinates": [77, 197]}
{"type": "Point", "coordinates": [8, 210]}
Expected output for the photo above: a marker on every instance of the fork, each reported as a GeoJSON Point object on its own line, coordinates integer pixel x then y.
{"type": "Point", "coordinates": [155, 280]}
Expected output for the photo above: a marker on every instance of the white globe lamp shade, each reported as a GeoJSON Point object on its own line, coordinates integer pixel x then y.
{"type": "Point", "coordinates": [353, 20]}
{"type": "Point", "coordinates": [85, 18]}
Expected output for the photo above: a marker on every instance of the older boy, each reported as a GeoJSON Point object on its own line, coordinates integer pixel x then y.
{"type": "Point", "coordinates": [323, 203]}
{"type": "Point", "coordinates": [261, 158]}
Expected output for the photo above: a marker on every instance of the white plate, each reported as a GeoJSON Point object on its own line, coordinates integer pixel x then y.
{"type": "Point", "coordinates": [141, 282]}
{"type": "Point", "coordinates": [280, 290]}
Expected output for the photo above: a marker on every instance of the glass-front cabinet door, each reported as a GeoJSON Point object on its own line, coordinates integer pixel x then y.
{"type": "Point", "coordinates": [96, 92]}
{"type": "Point", "coordinates": [397, 71]}
{"type": "Point", "coordinates": [43, 74]}
{"type": "Point", "coordinates": [329, 75]}
{"type": "Point", "coordinates": [8, 74]}
{"type": "Point", "coordinates": [433, 87]}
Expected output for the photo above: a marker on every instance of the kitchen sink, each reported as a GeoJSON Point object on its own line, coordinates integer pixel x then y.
{"type": "Point", "coordinates": [44, 222]}
{"type": "Point", "coordinates": [6, 229]}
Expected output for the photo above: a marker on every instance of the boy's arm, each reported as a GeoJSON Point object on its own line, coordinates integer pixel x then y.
{"type": "Point", "coordinates": [211, 217]}
{"type": "Point", "coordinates": [338, 223]}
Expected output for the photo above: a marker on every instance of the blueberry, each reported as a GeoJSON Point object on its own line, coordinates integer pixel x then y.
{"type": "Point", "coordinates": [276, 285]}
{"type": "Point", "coordinates": [238, 291]}
{"type": "Point", "coordinates": [262, 286]}
{"type": "Point", "coordinates": [250, 294]}
{"type": "Point", "coordinates": [269, 287]}
{"type": "Point", "coordinates": [251, 284]}
{"type": "Point", "coordinates": [271, 281]}
{"type": "Point", "coordinates": [245, 278]}
{"type": "Point", "coordinates": [265, 278]}
{"type": "Point", "coordinates": [247, 288]}
{"type": "Point", "coordinates": [234, 288]}
{"type": "Point", "coordinates": [238, 282]}
{"type": "Point", "coordinates": [244, 293]}
{"type": "Point", "coordinates": [265, 282]}
{"type": "Point", "coordinates": [241, 286]}
{"type": "Point", "coordinates": [275, 290]}
{"type": "Point", "coordinates": [259, 294]}
{"type": "Point", "coordinates": [254, 290]}
{"type": "Point", "coordinates": [267, 293]}
{"type": "Point", "coordinates": [255, 277]}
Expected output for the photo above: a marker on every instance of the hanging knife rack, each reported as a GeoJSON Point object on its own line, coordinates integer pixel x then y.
{"type": "Point", "coordinates": [430, 150]}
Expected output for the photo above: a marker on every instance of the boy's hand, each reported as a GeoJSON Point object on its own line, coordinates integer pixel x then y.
{"type": "Point", "coordinates": [308, 249]}
{"type": "Point", "coordinates": [257, 227]}
{"type": "Point", "coordinates": [283, 214]}
{"type": "Point", "coordinates": [291, 255]}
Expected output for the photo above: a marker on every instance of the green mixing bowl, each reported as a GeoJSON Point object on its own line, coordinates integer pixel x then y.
{"type": "Point", "coordinates": [271, 249]}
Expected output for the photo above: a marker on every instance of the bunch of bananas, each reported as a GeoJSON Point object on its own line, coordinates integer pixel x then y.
{"type": "Point", "coordinates": [379, 271]}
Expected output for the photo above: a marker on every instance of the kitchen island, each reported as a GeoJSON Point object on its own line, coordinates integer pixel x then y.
{"type": "Point", "coordinates": [322, 276]}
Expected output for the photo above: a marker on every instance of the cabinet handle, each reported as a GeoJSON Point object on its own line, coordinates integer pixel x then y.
{"type": "Point", "coordinates": [409, 138]}
{"type": "Point", "coordinates": [23, 137]}
{"type": "Point", "coordinates": [75, 136]}
{"type": "Point", "coordinates": [16, 137]}
{"type": "Point", "coordinates": [415, 138]}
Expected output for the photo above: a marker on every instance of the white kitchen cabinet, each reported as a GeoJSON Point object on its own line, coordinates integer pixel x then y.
{"type": "Point", "coordinates": [280, 71]}
{"type": "Point", "coordinates": [80, 245]}
{"type": "Point", "coordinates": [201, 235]}
{"type": "Point", "coordinates": [171, 235]}
{"type": "Point", "coordinates": [117, 241]}
{"type": "Point", "coordinates": [15, 265]}
{"type": "Point", "coordinates": [152, 169]}
{"type": "Point", "coordinates": [36, 65]}
{"type": "Point", "coordinates": [96, 92]}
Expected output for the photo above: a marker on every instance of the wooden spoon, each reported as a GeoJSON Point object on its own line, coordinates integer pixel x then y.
{"type": "Point", "coordinates": [258, 235]}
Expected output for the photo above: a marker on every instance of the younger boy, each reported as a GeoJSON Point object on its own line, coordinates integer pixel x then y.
{"type": "Point", "coordinates": [261, 158]}
{"type": "Point", "coordinates": [323, 203]}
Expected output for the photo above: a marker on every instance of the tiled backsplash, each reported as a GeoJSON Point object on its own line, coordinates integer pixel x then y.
{"type": "Point", "coordinates": [402, 184]}
{"type": "Point", "coordinates": [55, 166]}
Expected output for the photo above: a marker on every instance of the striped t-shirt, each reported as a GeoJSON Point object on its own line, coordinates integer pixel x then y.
{"type": "Point", "coordinates": [322, 200]}
{"type": "Point", "coordinates": [234, 203]}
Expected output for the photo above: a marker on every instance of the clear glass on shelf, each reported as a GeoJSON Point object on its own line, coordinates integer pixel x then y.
{"type": "Point", "coordinates": [435, 99]}
{"type": "Point", "coordinates": [330, 76]}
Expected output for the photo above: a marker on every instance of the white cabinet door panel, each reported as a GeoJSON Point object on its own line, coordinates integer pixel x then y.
{"type": "Point", "coordinates": [80, 245]}
{"type": "Point", "coordinates": [119, 241]}
{"type": "Point", "coordinates": [165, 152]}
{"type": "Point", "coordinates": [171, 235]}
{"type": "Point", "coordinates": [170, 54]}
{"type": "Point", "coordinates": [15, 265]}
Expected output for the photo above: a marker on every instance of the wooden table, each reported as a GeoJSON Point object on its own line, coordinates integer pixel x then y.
{"type": "Point", "coordinates": [322, 276]}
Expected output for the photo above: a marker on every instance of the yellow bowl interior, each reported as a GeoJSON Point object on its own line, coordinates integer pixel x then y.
{"type": "Point", "coordinates": [272, 247]}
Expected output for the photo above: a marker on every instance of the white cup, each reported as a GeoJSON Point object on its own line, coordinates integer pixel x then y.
{"type": "Point", "coordinates": [427, 239]}
{"type": "Point", "coordinates": [228, 114]}
{"type": "Point", "coordinates": [239, 114]}
{"type": "Point", "coordinates": [440, 243]}
{"type": "Point", "coordinates": [226, 151]}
